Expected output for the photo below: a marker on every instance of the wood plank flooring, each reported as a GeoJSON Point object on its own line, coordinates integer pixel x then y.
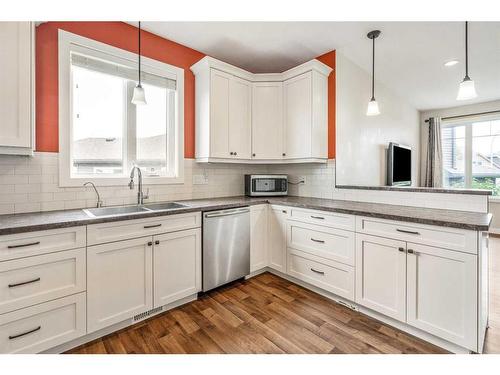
{"type": "Point", "coordinates": [268, 314]}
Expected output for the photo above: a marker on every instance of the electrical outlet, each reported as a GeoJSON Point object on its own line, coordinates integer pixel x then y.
{"type": "Point", "coordinates": [200, 179]}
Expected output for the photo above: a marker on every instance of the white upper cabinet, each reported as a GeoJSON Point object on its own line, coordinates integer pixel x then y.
{"type": "Point", "coordinates": [16, 95]}
{"type": "Point", "coordinates": [267, 120]}
{"type": "Point", "coordinates": [261, 118]}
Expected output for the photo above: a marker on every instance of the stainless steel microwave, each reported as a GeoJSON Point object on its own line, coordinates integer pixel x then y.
{"type": "Point", "coordinates": [259, 185]}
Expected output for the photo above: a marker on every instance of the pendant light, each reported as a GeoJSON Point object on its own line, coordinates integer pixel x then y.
{"type": "Point", "coordinates": [466, 90]}
{"type": "Point", "coordinates": [373, 109]}
{"type": "Point", "coordinates": [139, 98]}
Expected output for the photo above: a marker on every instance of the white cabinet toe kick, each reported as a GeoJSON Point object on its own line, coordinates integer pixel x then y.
{"type": "Point", "coordinates": [64, 287]}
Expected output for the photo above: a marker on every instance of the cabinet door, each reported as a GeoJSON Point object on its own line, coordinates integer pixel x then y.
{"type": "Point", "coordinates": [258, 237]}
{"type": "Point", "coordinates": [298, 116]}
{"type": "Point", "coordinates": [16, 76]}
{"type": "Point", "coordinates": [267, 120]}
{"type": "Point", "coordinates": [119, 281]}
{"type": "Point", "coordinates": [276, 240]}
{"type": "Point", "coordinates": [219, 114]}
{"type": "Point", "coordinates": [381, 275]}
{"type": "Point", "coordinates": [240, 106]}
{"type": "Point", "coordinates": [176, 266]}
{"type": "Point", "coordinates": [442, 293]}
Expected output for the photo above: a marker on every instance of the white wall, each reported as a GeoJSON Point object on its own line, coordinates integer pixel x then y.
{"type": "Point", "coordinates": [362, 140]}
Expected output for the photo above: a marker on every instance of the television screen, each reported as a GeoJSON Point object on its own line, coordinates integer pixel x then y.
{"type": "Point", "coordinates": [401, 167]}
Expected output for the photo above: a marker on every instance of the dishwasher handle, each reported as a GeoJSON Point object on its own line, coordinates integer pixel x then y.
{"type": "Point", "coordinates": [226, 213]}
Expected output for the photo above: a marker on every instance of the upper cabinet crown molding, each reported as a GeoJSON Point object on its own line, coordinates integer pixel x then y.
{"type": "Point", "coordinates": [17, 97]}
{"type": "Point", "coordinates": [243, 117]}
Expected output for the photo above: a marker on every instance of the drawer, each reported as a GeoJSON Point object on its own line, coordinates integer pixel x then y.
{"type": "Point", "coordinates": [41, 327]}
{"type": "Point", "coordinates": [122, 230]}
{"type": "Point", "coordinates": [448, 238]}
{"type": "Point", "coordinates": [29, 281]}
{"type": "Point", "coordinates": [334, 277]}
{"type": "Point", "coordinates": [329, 243]}
{"type": "Point", "coordinates": [21, 245]}
{"type": "Point", "coordinates": [329, 219]}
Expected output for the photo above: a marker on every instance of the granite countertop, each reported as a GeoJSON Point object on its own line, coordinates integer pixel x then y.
{"type": "Point", "coordinates": [417, 189]}
{"type": "Point", "coordinates": [28, 222]}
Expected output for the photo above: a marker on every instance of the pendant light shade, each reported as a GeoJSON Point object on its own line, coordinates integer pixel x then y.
{"type": "Point", "coordinates": [467, 89]}
{"type": "Point", "coordinates": [373, 109]}
{"type": "Point", "coordinates": [139, 97]}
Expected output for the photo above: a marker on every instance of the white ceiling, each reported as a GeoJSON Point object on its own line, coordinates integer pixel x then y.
{"type": "Point", "coordinates": [409, 55]}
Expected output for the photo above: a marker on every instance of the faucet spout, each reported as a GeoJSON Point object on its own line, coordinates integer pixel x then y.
{"type": "Point", "coordinates": [140, 194]}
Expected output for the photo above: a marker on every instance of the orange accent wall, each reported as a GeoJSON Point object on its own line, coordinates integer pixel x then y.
{"type": "Point", "coordinates": [117, 34]}
{"type": "Point", "coordinates": [329, 59]}
{"type": "Point", "coordinates": [124, 36]}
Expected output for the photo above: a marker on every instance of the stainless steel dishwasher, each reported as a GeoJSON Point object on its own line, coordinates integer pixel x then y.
{"type": "Point", "coordinates": [226, 246]}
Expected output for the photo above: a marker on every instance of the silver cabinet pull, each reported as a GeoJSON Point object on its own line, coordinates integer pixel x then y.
{"type": "Point", "coordinates": [24, 283]}
{"type": "Point", "coordinates": [407, 231]}
{"type": "Point", "coordinates": [318, 272]}
{"type": "Point", "coordinates": [402, 249]}
{"type": "Point", "coordinates": [25, 333]}
{"type": "Point", "coordinates": [152, 226]}
{"type": "Point", "coordinates": [315, 240]}
{"type": "Point", "coordinates": [318, 217]}
{"type": "Point", "coordinates": [23, 245]}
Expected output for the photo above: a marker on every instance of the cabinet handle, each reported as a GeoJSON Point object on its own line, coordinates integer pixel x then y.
{"type": "Point", "coordinates": [410, 251]}
{"type": "Point", "coordinates": [150, 243]}
{"type": "Point", "coordinates": [231, 153]}
{"type": "Point", "coordinates": [23, 245]}
{"type": "Point", "coordinates": [152, 226]}
{"type": "Point", "coordinates": [253, 155]}
{"type": "Point", "coordinates": [284, 211]}
{"type": "Point", "coordinates": [317, 217]}
{"type": "Point", "coordinates": [25, 333]}
{"type": "Point", "coordinates": [315, 240]}
{"type": "Point", "coordinates": [157, 242]}
{"type": "Point", "coordinates": [402, 249]}
{"type": "Point", "coordinates": [316, 271]}
{"type": "Point", "coordinates": [235, 153]}
{"type": "Point", "coordinates": [407, 231]}
{"type": "Point", "coordinates": [24, 283]}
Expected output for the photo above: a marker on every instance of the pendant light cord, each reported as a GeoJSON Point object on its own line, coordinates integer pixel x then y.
{"type": "Point", "coordinates": [373, 69]}
{"type": "Point", "coordinates": [466, 49]}
{"type": "Point", "coordinates": [139, 53]}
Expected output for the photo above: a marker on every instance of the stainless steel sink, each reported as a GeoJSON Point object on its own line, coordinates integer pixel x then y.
{"type": "Point", "coordinates": [113, 211]}
{"type": "Point", "coordinates": [164, 206]}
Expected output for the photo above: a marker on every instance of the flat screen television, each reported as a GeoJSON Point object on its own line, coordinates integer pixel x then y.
{"type": "Point", "coordinates": [398, 165]}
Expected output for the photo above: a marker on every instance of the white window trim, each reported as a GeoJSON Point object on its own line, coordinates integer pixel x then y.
{"type": "Point", "coordinates": [69, 42]}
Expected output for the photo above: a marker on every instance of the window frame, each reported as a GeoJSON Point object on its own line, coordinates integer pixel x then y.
{"type": "Point", "coordinates": [467, 122]}
{"type": "Point", "coordinates": [68, 43]}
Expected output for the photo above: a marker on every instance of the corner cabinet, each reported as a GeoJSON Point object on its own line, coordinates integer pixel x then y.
{"type": "Point", "coordinates": [261, 118]}
{"type": "Point", "coordinates": [16, 97]}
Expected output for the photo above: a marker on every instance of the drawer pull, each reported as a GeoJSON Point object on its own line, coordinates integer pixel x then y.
{"type": "Point", "coordinates": [25, 333]}
{"type": "Point", "coordinates": [407, 231]}
{"type": "Point", "coordinates": [318, 217]}
{"type": "Point", "coordinates": [315, 240]}
{"type": "Point", "coordinates": [411, 251]}
{"type": "Point", "coordinates": [23, 245]}
{"type": "Point", "coordinates": [316, 271]}
{"type": "Point", "coordinates": [157, 242]}
{"type": "Point", "coordinates": [24, 283]}
{"type": "Point", "coordinates": [402, 249]}
{"type": "Point", "coordinates": [150, 243]}
{"type": "Point", "coordinates": [152, 226]}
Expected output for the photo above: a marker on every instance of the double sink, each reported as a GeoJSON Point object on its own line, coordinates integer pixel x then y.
{"type": "Point", "coordinates": [127, 210]}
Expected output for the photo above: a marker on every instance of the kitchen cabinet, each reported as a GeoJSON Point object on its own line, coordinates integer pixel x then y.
{"type": "Point", "coordinates": [176, 266]}
{"type": "Point", "coordinates": [258, 237]}
{"type": "Point", "coordinates": [381, 275]}
{"type": "Point", "coordinates": [261, 118]}
{"type": "Point", "coordinates": [276, 237]}
{"type": "Point", "coordinates": [16, 96]}
{"type": "Point", "coordinates": [267, 121]}
{"type": "Point", "coordinates": [442, 293]}
{"type": "Point", "coordinates": [119, 281]}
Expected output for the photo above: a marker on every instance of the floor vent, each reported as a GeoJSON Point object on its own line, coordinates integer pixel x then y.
{"type": "Point", "coordinates": [147, 313]}
{"type": "Point", "coordinates": [348, 305]}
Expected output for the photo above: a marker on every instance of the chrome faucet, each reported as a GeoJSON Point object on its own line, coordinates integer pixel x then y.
{"type": "Point", "coordinates": [99, 201]}
{"type": "Point", "coordinates": [140, 195]}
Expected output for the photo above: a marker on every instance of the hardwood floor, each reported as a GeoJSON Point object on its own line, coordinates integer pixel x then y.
{"type": "Point", "coordinates": [268, 314]}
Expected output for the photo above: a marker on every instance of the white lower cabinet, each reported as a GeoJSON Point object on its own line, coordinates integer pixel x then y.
{"type": "Point", "coordinates": [258, 237]}
{"type": "Point", "coordinates": [442, 293]}
{"type": "Point", "coordinates": [176, 266]}
{"type": "Point", "coordinates": [276, 237]}
{"type": "Point", "coordinates": [119, 281]}
{"type": "Point", "coordinates": [381, 275]}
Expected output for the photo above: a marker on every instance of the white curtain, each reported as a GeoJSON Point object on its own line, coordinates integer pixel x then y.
{"type": "Point", "coordinates": [432, 171]}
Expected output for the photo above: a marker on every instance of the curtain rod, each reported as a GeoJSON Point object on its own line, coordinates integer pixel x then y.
{"type": "Point", "coordinates": [469, 115]}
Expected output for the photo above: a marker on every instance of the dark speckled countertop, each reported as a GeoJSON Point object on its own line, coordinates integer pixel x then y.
{"type": "Point", "coordinates": [28, 222]}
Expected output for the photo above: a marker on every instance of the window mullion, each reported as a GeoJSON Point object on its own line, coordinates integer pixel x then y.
{"type": "Point", "coordinates": [130, 126]}
{"type": "Point", "coordinates": [468, 156]}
